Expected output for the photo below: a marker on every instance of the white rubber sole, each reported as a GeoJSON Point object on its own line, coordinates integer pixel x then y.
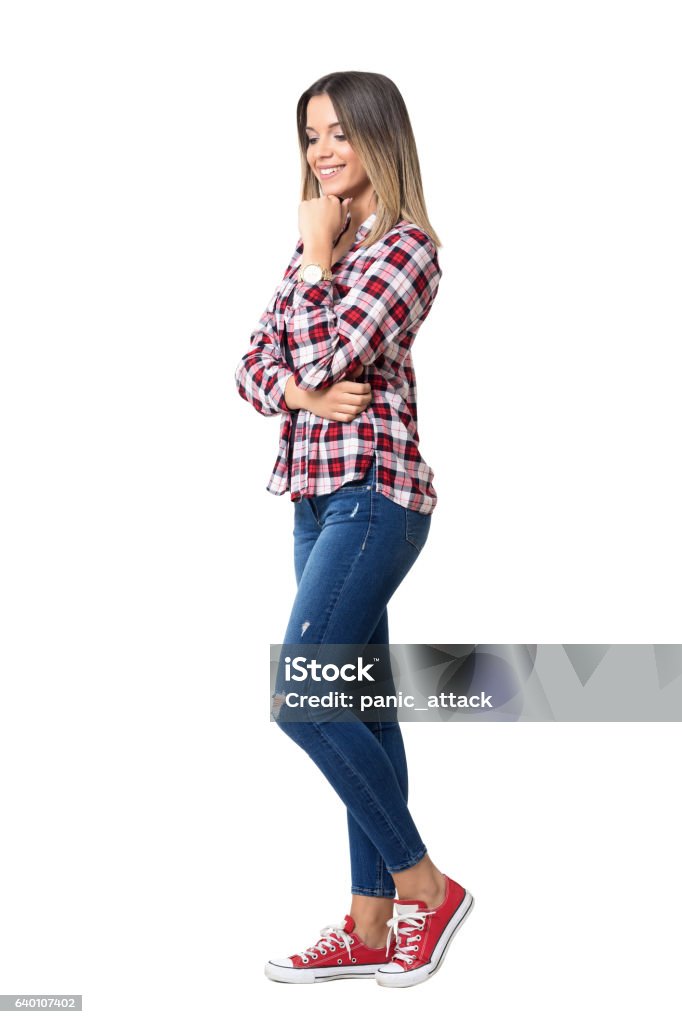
{"type": "Point", "coordinates": [405, 979]}
{"type": "Point", "coordinates": [310, 975]}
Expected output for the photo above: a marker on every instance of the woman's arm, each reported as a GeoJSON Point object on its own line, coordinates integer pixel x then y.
{"type": "Point", "coordinates": [265, 381]}
{"type": "Point", "coordinates": [342, 401]}
{"type": "Point", "coordinates": [329, 341]}
{"type": "Point", "coordinates": [262, 374]}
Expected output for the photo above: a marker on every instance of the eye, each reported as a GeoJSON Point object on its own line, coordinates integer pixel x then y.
{"type": "Point", "coordinates": [339, 138]}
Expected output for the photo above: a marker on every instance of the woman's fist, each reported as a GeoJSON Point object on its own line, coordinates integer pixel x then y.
{"type": "Point", "coordinates": [322, 220]}
{"type": "Point", "coordinates": [342, 401]}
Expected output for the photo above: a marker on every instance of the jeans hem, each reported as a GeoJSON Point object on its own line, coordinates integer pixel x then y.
{"type": "Point", "coordinates": [408, 863]}
{"type": "Point", "coordinates": [357, 890]}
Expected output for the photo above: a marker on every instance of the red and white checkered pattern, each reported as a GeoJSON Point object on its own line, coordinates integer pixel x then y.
{"type": "Point", "coordinates": [368, 315]}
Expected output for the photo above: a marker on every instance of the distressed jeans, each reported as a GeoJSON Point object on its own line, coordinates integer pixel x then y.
{"type": "Point", "coordinates": [352, 549]}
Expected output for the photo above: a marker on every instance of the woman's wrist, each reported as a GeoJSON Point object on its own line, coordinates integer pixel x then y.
{"type": "Point", "coordinates": [295, 397]}
{"type": "Point", "coordinates": [318, 251]}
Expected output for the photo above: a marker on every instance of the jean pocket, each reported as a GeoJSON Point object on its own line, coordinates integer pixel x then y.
{"type": "Point", "coordinates": [417, 526]}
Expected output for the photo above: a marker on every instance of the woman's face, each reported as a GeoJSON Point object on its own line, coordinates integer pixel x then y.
{"type": "Point", "coordinates": [327, 147]}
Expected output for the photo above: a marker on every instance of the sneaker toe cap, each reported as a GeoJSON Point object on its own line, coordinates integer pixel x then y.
{"type": "Point", "coordinates": [392, 968]}
{"type": "Point", "coordinates": [284, 961]}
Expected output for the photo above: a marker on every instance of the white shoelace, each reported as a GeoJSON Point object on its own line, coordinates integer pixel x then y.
{"type": "Point", "coordinates": [407, 929]}
{"type": "Point", "coordinates": [329, 938]}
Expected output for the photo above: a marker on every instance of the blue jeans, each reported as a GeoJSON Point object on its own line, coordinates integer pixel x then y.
{"type": "Point", "coordinates": [352, 549]}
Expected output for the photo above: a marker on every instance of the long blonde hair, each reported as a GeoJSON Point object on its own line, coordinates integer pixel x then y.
{"type": "Point", "coordinates": [375, 122]}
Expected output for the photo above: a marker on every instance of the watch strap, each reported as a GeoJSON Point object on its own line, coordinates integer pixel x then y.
{"type": "Point", "coordinates": [326, 272]}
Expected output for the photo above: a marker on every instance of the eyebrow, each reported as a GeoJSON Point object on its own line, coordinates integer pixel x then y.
{"type": "Point", "coordinates": [334, 124]}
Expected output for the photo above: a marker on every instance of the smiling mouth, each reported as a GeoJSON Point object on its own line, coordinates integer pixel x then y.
{"type": "Point", "coordinates": [324, 173]}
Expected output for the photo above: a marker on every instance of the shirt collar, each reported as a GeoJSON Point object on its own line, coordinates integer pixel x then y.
{"type": "Point", "coordinates": [365, 226]}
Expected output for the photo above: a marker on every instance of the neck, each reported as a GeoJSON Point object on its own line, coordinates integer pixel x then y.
{"type": "Point", "coordinates": [361, 207]}
{"type": "Point", "coordinates": [358, 217]}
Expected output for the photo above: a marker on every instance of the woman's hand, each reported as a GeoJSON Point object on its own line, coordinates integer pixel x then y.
{"type": "Point", "coordinates": [320, 221]}
{"type": "Point", "coordinates": [342, 401]}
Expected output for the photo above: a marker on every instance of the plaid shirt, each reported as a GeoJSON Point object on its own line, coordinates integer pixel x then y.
{"type": "Point", "coordinates": [368, 316]}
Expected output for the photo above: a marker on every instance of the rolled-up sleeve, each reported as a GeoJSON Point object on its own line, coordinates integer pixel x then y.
{"type": "Point", "coordinates": [330, 337]}
{"type": "Point", "coordinates": [262, 373]}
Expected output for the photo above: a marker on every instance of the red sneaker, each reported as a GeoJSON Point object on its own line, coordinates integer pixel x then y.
{"type": "Point", "coordinates": [339, 953]}
{"type": "Point", "coordinates": [422, 936]}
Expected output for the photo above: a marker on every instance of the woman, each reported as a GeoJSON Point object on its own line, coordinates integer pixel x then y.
{"type": "Point", "coordinates": [332, 355]}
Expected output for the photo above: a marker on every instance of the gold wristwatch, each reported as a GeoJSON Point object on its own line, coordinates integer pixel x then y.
{"type": "Point", "coordinates": [312, 273]}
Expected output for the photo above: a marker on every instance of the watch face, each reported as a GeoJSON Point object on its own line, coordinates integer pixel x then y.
{"type": "Point", "coordinates": [312, 273]}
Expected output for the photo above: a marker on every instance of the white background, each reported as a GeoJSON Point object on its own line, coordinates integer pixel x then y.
{"type": "Point", "coordinates": [160, 838]}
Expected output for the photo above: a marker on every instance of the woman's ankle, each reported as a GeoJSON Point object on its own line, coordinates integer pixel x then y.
{"type": "Point", "coordinates": [422, 882]}
{"type": "Point", "coordinates": [373, 936]}
{"type": "Point", "coordinates": [432, 893]}
{"type": "Point", "coordinates": [370, 914]}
